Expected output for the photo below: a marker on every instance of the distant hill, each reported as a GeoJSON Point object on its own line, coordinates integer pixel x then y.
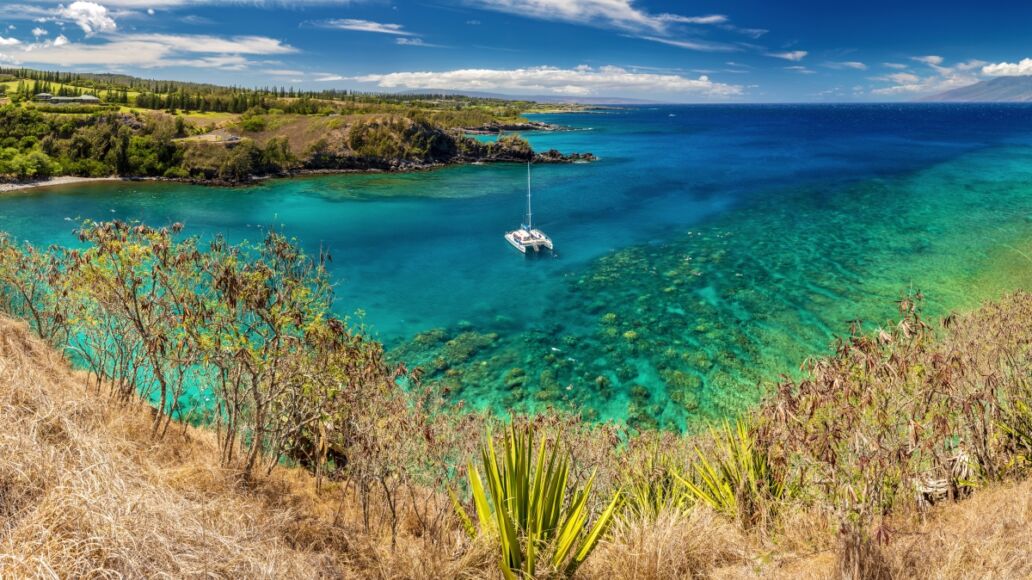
{"type": "Point", "coordinates": [997, 90]}
{"type": "Point", "coordinates": [551, 99]}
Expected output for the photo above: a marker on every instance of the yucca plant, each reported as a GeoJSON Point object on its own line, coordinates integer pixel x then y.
{"type": "Point", "coordinates": [524, 498]}
{"type": "Point", "coordinates": [1016, 426]}
{"type": "Point", "coordinates": [738, 479]}
{"type": "Point", "coordinates": [653, 487]}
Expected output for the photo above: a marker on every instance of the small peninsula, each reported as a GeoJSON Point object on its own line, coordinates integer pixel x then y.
{"type": "Point", "coordinates": [104, 126]}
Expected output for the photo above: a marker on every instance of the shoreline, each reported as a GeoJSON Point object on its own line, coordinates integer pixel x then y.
{"type": "Point", "coordinates": [11, 186]}
{"type": "Point", "coordinates": [544, 158]}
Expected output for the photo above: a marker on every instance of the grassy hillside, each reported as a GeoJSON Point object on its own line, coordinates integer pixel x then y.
{"type": "Point", "coordinates": [905, 454]}
{"type": "Point", "coordinates": [36, 144]}
{"type": "Point", "coordinates": [151, 128]}
{"type": "Point", "coordinates": [85, 490]}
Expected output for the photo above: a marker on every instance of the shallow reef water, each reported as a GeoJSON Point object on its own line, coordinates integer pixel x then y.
{"type": "Point", "coordinates": [701, 257]}
{"type": "Point", "coordinates": [690, 329]}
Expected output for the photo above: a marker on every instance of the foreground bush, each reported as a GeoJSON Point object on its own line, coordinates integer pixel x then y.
{"type": "Point", "coordinates": [736, 477]}
{"type": "Point", "coordinates": [530, 509]}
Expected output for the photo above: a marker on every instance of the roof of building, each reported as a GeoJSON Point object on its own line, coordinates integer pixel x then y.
{"type": "Point", "coordinates": [89, 98]}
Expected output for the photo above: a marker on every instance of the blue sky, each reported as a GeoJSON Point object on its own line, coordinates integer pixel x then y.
{"type": "Point", "coordinates": [688, 51]}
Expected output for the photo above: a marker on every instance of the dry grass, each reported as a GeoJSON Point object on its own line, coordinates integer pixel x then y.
{"type": "Point", "coordinates": [986, 536]}
{"type": "Point", "coordinates": [82, 494]}
{"type": "Point", "coordinates": [86, 492]}
{"type": "Point", "coordinates": [673, 545]}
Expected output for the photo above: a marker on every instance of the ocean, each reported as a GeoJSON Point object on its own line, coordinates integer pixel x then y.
{"type": "Point", "coordinates": [708, 251]}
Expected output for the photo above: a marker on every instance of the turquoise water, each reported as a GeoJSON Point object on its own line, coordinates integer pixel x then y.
{"type": "Point", "coordinates": [710, 248]}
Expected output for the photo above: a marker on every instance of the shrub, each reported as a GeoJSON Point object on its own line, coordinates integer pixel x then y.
{"type": "Point", "coordinates": [31, 165]}
{"type": "Point", "coordinates": [176, 173]}
{"type": "Point", "coordinates": [253, 124]}
{"type": "Point", "coordinates": [527, 505]}
{"type": "Point", "coordinates": [737, 477]}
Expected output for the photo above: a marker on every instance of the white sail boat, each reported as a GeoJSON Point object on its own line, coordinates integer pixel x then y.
{"type": "Point", "coordinates": [528, 238]}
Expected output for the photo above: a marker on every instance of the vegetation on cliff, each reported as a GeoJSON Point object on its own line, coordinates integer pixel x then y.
{"type": "Point", "coordinates": [35, 144]}
{"type": "Point", "coordinates": [842, 471]}
{"type": "Point", "coordinates": [166, 129]}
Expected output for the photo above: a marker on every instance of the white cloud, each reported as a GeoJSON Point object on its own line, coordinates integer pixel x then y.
{"type": "Point", "coordinates": [231, 62]}
{"type": "Point", "coordinates": [410, 41]}
{"type": "Point", "coordinates": [326, 78]}
{"type": "Point", "coordinates": [37, 32]}
{"type": "Point", "coordinates": [621, 14]}
{"type": "Point", "coordinates": [930, 59]}
{"type": "Point", "coordinates": [941, 78]}
{"type": "Point", "coordinates": [711, 19]}
{"type": "Point", "coordinates": [901, 78]}
{"type": "Point", "coordinates": [801, 70]}
{"type": "Point", "coordinates": [971, 65]}
{"type": "Point", "coordinates": [27, 12]}
{"type": "Point", "coordinates": [9, 41]}
{"type": "Point", "coordinates": [1009, 69]}
{"type": "Point", "coordinates": [65, 53]}
{"type": "Point", "coordinates": [699, 45]}
{"type": "Point", "coordinates": [152, 51]}
{"type": "Point", "coordinates": [580, 81]}
{"type": "Point", "coordinates": [849, 64]}
{"type": "Point", "coordinates": [793, 55]}
{"type": "Point", "coordinates": [279, 72]}
{"type": "Point", "coordinates": [365, 26]}
{"type": "Point", "coordinates": [212, 44]}
{"type": "Point", "coordinates": [90, 16]}
{"type": "Point", "coordinates": [754, 33]}
{"type": "Point", "coordinates": [141, 4]}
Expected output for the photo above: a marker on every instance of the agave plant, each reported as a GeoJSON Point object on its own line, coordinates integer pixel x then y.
{"type": "Point", "coordinates": [1016, 427]}
{"type": "Point", "coordinates": [739, 479]}
{"type": "Point", "coordinates": [655, 486]}
{"type": "Point", "coordinates": [525, 499]}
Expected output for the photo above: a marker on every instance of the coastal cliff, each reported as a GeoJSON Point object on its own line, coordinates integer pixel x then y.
{"type": "Point", "coordinates": [260, 143]}
{"type": "Point", "coordinates": [398, 144]}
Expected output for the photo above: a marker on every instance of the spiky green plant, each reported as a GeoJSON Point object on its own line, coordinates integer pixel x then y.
{"type": "Point", "coordinates": [525, 499]}
{"type": "Point", "coordinates": [737, 478]}
{"type": "Point", "coordinates": [1016, 426]}
{"type": "Point", "coordinates": [653, 487]}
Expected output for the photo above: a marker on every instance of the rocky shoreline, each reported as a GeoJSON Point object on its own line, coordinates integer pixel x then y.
{"type": "Point", "coordinates": [496, 127]}
{"type": "Point", "coordinates": [551, 156]}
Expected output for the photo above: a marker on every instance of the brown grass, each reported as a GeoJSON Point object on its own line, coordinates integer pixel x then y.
{"type": "Point", "coordinates": [986, 536]}
{"type": "Point", "coordinates": [86, 492]}
{"type": "Point", "coordinates": [673, 545]}
{"type": "Point", "coordinates": [81, 493]}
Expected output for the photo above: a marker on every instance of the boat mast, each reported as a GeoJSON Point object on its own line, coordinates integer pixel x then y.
{"type": "Point", "coordinates": [529, 223]}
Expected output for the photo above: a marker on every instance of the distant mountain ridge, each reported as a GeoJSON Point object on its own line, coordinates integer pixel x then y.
{"type": "Point", "coordinates": [997, 90]}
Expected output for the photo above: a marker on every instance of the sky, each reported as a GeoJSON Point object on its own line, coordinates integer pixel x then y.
{"type": "Point", "coordinates": [671, 51]}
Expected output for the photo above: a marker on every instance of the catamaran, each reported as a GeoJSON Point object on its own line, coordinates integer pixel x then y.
{"type": "Point", "coordinates": [528, 238]}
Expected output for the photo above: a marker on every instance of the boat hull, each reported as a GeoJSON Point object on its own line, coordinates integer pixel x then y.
{"type": "Point", "coordinates": [529, 242]}
{"type": "Point", "coordinates": [512, 242]}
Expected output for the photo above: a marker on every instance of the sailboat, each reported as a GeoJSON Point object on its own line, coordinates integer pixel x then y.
{"type": "Point", "coordinates": [527, 238]}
